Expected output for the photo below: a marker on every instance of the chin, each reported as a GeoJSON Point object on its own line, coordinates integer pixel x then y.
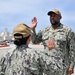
{"type": "Point", "coordinates": [55, 23]}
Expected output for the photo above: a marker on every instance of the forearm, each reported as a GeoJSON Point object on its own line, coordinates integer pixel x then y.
{"type": "Point", "coordinates": [36, 38]}
{"type": "Point", "coordinates": [71, 56]}
{"type": "Point", "coordinates": [72, 53]}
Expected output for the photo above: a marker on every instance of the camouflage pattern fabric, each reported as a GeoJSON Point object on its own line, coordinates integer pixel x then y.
{"type": "Point", "coordinates": [26, 61]}
{"type": "Point", "coordinates": [58, 60]}
{"type": "Point", "coordinates": [21, 61]}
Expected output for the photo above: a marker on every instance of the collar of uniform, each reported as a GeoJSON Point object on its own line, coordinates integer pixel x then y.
{"type": "Point", "coordinates": [22, 47]}
{"type": "Point", "coordinates": [59, 27]}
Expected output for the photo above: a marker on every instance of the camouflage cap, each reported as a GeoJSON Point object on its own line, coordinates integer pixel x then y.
{"type": "Point", "coordinates": [54, 11]}
{"type": "Point", "coordinates": [22, 29]}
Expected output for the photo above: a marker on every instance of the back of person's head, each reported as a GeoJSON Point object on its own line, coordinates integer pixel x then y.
{"type": "Point", "coordinates": [21, 34]}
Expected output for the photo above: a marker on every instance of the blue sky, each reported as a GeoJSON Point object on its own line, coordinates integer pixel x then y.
{"type": "Point", "coordinates": [13, 12]}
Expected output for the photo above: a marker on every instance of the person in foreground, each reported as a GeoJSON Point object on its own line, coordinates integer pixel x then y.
{"type": "Point", "coordinates": [23, 60]}
{"type": "Point", "coordinates": [59, 45]}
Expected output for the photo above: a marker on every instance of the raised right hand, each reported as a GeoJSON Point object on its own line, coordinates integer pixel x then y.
{"type": "Point", "coordinates": [33, 23]}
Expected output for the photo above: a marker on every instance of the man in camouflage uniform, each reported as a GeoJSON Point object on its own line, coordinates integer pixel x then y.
{"type": "Point", "coordinates": [58, 41]}
{"type": "Point", "coordinates": [23, 60]}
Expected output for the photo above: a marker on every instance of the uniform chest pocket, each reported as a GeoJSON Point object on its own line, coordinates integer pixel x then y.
{"type": "Point", "coordinates": [45, 37]}
{"type": "Point", "coordinates": [61, 39]}
{"type": "Point", "coordinates": [60, 36]}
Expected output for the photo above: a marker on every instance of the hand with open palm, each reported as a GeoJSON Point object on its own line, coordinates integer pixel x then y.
{"type": "Point", "coordinates": [33, 23]}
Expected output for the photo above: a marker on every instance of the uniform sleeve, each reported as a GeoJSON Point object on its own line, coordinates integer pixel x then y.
{"type": "Point", "coordinates": [33, 67]}
{"type": "Point", "coordinates": [36, 38]}
{"type": "Point", "coordinates": [3, 63]}
{"type": "Point", "coordinates": [71, 42]}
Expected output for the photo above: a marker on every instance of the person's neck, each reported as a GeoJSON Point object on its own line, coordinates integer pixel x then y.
{"type": "Point", "coordinates": [55, 26]}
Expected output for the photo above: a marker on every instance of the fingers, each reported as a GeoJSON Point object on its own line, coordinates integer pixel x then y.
{"type": "Point", "coordinates": [70, 71]}
{"type": "Point", "coordinates": [33, 23]}
{"type": "Point", "coordinates": [34, 19]}
{"type": "Point", "coordinates": [51, 44]}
